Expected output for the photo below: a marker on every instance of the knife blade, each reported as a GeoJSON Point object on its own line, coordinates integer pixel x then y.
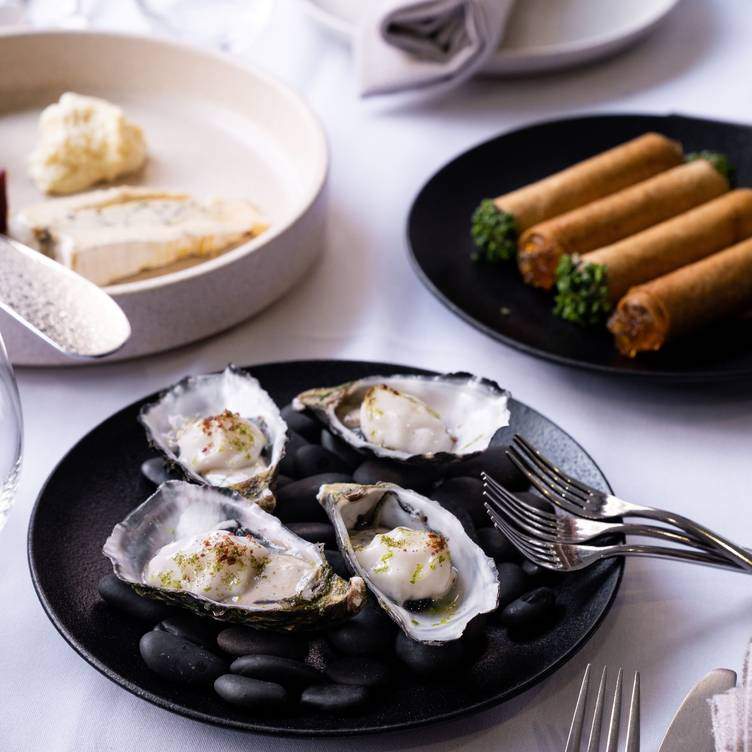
{"type": "Point", "coordinates": [691, 729]}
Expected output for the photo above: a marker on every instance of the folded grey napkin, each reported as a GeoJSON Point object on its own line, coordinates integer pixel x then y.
{"type": "Point", "coordinates": [427, 45]}
{"type": "Point", "coordinates": [732, 713]}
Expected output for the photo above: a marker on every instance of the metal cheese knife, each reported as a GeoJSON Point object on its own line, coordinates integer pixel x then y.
{"type": "Point", "coordinates": [692, 730]}
{"type": "Point", "coordinates": [64, 309]}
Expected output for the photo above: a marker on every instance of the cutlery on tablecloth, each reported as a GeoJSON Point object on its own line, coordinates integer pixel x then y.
{"type": "Point", "coordinates": [581, 500]}
{"type": "Point", "coordinates": [632, 741]}
{"type": "Point", "coordinates": [691, 730]}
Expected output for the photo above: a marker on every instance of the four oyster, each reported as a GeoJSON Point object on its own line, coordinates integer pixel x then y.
{"type": "Point", "coordinates": [415, 557]}
{"type": "Point", "coordinates": [211, 551]}
{"type": "Point", "coordinates": [412, 418]}
{"type": "Point", "coordinates": [222, 430]}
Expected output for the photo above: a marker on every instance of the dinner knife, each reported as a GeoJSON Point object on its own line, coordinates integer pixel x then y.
{"type": "Point", "coordinates": [63, 308]}
{"type": "Point", "coordinates": [692, 730]}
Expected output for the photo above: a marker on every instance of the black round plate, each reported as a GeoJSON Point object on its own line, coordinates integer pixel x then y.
{"type": "Point", "coordinates": [99, 482]}
{"type": "Point", "coordinates": [493, 298]}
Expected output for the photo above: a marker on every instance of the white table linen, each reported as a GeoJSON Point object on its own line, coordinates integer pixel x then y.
{"type": "Point", "coordinates": [683, 447]}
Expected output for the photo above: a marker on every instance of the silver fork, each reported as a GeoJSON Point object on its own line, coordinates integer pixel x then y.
{"type": "Point", "coordinates": [569, 557]}
{"type": "Point", "coordinates": [580, 499]}
{"type": "Point", "coordinates": [632, 743]}
{"type": "Point", "coordinates": [566, 528]}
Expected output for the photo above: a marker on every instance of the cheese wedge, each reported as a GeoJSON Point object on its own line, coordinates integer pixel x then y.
{"type": "Point", "coordinates": [112, 234]}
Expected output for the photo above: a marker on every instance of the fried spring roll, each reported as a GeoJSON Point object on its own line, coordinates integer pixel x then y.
{"type": "Point", "coordinates": [615, 217]}
{"type": "Point", "coordinates": [497, 222]}
{"type": "Point", "coordinates": [588, 287]}
{"type": "Point", "coordinates": [684, 300]}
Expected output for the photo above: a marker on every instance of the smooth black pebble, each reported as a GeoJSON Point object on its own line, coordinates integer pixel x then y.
{"type": "Point", "coordinates": [350, 456]}
{"type": "Point", "coordinates": [285, 671]}
{"type": "Point", "coordinates": [360, 638]}
{"type": "Point", "coordinates": [189, 627]}
{"type": "Point", "coordinates": [334, 698]}
{"type": "Point", "coordinates": [314, 460]}
{"type": "Point", "coordinates": [463, 493]}
{"type": "Point", "coordinates": [431, 660]}
{"type": "Point", "coordinates": [493, 461]}
{"type": "Point", "coordinates": [315, 532]}
{"type": "Point", "coordinates": [296, 502]}
{"type": "Point", "coordinates": [512, 584]}
{"type": "Point", "coordinates": [248, 641]}
{"type": "Point", "coordinates": [530, 612]}
{"type": "Point", "coordinates": [287, 466]}
{"type": "Point", "coordinates": [408, 476]}
{"type": "Point", "coordinates": [179, 660]}
{"type": "Point", "coordinates": [301, 423]}
{"type": "Point", "coordinates": [337, 563]}
{"type": "Point", "coordinates": [157, 471]}
{"type": "Point", "coordinates": [467, 522]}
{"type": "Point", "coordinates": [497, 545]}
{"type": "Point", "coordinates": [535, 572]}
{"type": "Point", "coordinates": [358, 670]}
{"type": "Point", "coordinates": [250, 693]}
{"type": "Point", "coordinates": [123, 598]}
{"type": "Point", "coordinates": [284, 480]}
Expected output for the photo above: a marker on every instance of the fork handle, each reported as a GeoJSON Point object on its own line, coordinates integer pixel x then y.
{"type": "Point", "coordinates": [651, 531]}
{"type": "Point", "coordinates": [673, 554]}
{"type": "Point", "coordinates": [738, 555]}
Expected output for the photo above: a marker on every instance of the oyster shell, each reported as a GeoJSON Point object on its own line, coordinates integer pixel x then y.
{"type": "Point", "coordinates": [306, 595]}
{"type": "Point", "coordinates": [220, 429]}
{"type": "Point", "coordinates": [412, 418]}
{"type": "Point", "coordinates": [360, 514]}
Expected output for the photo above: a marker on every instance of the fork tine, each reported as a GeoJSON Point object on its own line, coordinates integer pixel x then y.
{"type": "Point", "coordinates": [542, 485]}
{"type": "Point", "coordinates": [555, 482]}
{"type": "Point", "coordinates": [538, 513]}
{"type": "Point", "coordinates": [633, 725]}
{"type": "Point", "coordinates": [544, 558]}
{"type": "Point", "coordinates": [613, 725]}
{"type": "Point", "coordinates": [595, 727]}
{"type": "Point", "coordinates": [521, 515]}
{"type": "Point", "coordinates": [575, 730]}
{"type": "Point", "coordinates": [568, 479]}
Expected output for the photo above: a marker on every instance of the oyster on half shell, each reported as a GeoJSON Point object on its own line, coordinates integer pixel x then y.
{"type": "Point", "coordinates": [211, 551]}
{"type": "Point", "coordinates": [412, 418]}
{"type": "Point", "coordinates": [220, 429]}
{"type": "Point", "coordinates": [415, 557]}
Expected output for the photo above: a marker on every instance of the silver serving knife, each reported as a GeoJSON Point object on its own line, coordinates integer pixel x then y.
{"type": "Point", "coordinates": [64, 309]}
{"type": "Point", "coordinates": [692, 729]}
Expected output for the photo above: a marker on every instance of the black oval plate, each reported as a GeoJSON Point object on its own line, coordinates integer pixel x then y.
{"type": "Point", "coordinates": [98, 482]}
{"type": "Point", "coordinates": [439, 238]}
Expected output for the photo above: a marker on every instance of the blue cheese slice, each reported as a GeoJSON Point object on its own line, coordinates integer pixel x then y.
{"type": "Point", "coordinates": [113, 234]}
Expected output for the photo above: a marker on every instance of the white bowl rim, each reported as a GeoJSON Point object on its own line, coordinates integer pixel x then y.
{"type": "Point", "coordinates": [295, 99]}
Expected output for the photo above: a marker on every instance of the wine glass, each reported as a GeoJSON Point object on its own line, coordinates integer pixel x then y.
{"type": "Point", "coordinates": [11, 435]}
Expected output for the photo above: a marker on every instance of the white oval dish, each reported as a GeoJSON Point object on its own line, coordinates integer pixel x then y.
{"type": "Point", "coordinates": [213, 127]}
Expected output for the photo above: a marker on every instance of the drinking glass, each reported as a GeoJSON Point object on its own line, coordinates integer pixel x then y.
{"type": "Point", "coordinates": [11, 434]}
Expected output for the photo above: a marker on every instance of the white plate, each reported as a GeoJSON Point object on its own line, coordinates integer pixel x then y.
{"type": "Point", "coordinates": [213, 127]}
{"type": "Point", "coordinates": [543, 35]}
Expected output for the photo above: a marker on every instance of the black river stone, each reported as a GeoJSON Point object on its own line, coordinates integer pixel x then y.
{"type": "Point", "coordinates": [285, 671]}
{"type": "Point", "coordinates": [179, 660]}
{"type": "Point", "coordinates": [512, 584]}
{"type": "Point", "coordinates": [123, 598]}
{"type": "Point", "coordinates": [435, 661]}
{"type": "Point", "coordinates": [315, 532]}
{"type": "Point", "coordinates": [417, 478]}
{"type": "Point", "coordinates": [334, 698]}
{"type": "Point", "coordinates": [493, 461]}
{"type": "Point", "coordinates": [157, 471]}
{"type": "Point", "coordinates": [337, 563]}
{"type": "Point", "coordinates": [463, 493]}
{"type": "Point", "coordinates": [248, 641]}
{"type": "Point", "coordinates": [350, 456]}
{"type": "Point", "coordinates": [531, 612]}
{"type": "Point", "coordinates": [250, 693]}
{"type": "Point", "coordinates": [296, 502]}
{"type": "Point", "coordinates": [314, 460]}
{"type": "Point", "coordinates": [189, 627]}
{"type": "Point", "coordinates": [497, 545]}
{"type": "Point", "coordinates": [287, 466]}
{"type": "Point", "coordinates": [301, 423]}
{"type": "Point", "coordinates": [358, 670]}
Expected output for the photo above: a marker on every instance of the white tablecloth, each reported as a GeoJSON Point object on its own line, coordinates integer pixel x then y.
{"type": "Point", "coordinates": [685, 448]}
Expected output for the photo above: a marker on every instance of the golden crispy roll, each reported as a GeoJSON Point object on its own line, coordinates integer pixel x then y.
{"type": "Point", "coordinates": [684, 300]}
{"type": "Point", "coordinates": [615, 217]}
{"type": "Point", "coordinates": [588, 287]}
{"type": "Point", "coordinates": [497, 222]}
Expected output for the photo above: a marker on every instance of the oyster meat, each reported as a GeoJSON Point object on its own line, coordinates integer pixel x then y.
{"type": "Point", "coordinates": [415, 557]}
{"type": "Point", "coordinates": [222, 430]}
{"type": "Point", "coordinates": [211, 551]}
{"type": "Point", "coordinates": [412, 418]}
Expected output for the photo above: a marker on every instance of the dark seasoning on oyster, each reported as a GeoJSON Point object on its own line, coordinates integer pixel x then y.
{"type": "Point", "coordinates": [421, 543]}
